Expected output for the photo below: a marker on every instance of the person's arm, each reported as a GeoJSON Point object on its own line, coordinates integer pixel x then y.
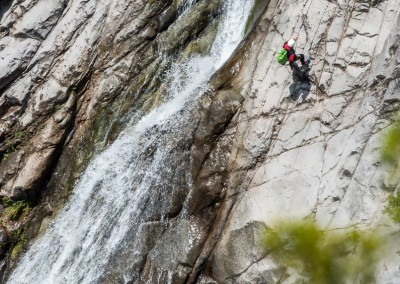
{"type": "Point", "coordinates": [292, 59]}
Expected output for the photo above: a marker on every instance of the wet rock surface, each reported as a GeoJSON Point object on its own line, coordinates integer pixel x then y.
{"type": "Point", "coordinates": [70, 74]}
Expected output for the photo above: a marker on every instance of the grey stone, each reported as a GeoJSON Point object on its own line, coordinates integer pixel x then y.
{"type": "Point", "coordinates": [254, 156]}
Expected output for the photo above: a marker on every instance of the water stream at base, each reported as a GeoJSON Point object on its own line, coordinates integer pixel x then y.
{"type": "Point", "coordinates": [111, 194]}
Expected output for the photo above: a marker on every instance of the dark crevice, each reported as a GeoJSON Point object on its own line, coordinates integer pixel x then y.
{"type": "Point", "coordinates": [218, 131]}
{"type": "Point", "coordinates": [7, 81]}
{"type": "Point", "coordinates": [234, 276]}
{"type": "Point", "coordinates": [40, 188]}
{"type": "Point", "coordinates": [36, 193]}
{"type": "Point", "coordinates": [5, 5]}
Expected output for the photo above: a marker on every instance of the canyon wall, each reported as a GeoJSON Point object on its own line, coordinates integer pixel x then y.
{"type": "Point", "coordinates": [259, 145]}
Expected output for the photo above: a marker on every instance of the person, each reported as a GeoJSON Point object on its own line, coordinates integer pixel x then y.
{"type": "Point", "coordinates": [291, 53]}
{"type": "Point", "coordinates": [301, 73]}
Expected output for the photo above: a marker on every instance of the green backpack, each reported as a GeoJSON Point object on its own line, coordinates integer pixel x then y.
{"type": "Point", "coordinates": [282, 57]}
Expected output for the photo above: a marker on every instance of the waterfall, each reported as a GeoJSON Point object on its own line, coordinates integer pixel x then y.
{"type": "Point", "coordinates": [110, 197]}
{"type": "Point", "coordinates": [186, 6]}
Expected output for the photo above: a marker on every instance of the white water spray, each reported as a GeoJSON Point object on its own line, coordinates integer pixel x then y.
{"type": "Point", "coordinates": [186, 5]}
{"type": "Point", "coordinates": [110, 196]}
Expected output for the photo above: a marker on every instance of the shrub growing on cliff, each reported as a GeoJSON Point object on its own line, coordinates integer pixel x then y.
{"type": "Point", "coordinates": [324, 257]}
{"type": "Point", "coordinates": [14, 209]}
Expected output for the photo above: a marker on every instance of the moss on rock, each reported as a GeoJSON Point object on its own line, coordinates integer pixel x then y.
{"type": "Point", "coordinates": [13, 210]}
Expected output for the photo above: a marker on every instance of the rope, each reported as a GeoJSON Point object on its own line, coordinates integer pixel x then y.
{"type": "Point", "coordinates": [235, 194]}
{"type": "Point", "coordinates": [265, 137]}
{"type": "Point", "coordinates": [286, 81]}
{"type": "Point", "coordinates": [315, 83]}
{"type": "Point", "coordinates": [316, 31]}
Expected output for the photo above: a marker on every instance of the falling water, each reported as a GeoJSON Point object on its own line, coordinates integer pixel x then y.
{"type": "Point", "coordinates": [114, 190]}
{"type": "Point", "coordinates": [186, 6]}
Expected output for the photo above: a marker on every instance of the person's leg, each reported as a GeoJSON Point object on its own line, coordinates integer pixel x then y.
{"type": "Point", "coordinates": [297, 73]}
{"type": "Point", "coordinates": [305, 71]}
{"type": "Point", "coordinates": [302, 59]}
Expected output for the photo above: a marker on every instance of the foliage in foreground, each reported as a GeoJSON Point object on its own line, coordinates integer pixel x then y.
{"type": "Point", "coordinates": [390, 156]}
{"type": "Point", "coordinates": [390, 150]}
{"type": "Point", "coordinates": [393, 207]}
{"type": "Point", "coordinates": [324, 257]}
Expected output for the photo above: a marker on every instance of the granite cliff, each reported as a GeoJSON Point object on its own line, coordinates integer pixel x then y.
{"type": "Point", "coordinates": [255, 145]}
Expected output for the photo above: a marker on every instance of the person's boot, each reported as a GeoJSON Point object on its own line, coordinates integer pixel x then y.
{"type": "Point", "coordinates": [307, 60]}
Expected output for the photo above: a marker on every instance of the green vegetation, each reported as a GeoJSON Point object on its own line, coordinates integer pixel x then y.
{"type": "Point", "coordinates": [390, 156]}
{"type": "Point", "coordinates": [12, 143]}
{"type": "Point", "coordinates": [393, 207]}
{"type": "Point", "coordinates": [10, 148]}
{"type": "Point", "coordinates": [103, 48]}
{"type": "Point", "coordinates": [391, 145]}
{"type": "Point", "coordinates": [19, 239]}
{"type": "Point", "coordinates": [19, 134]}
{"type": "Point", "coordinates": [14, 209]}
{"type": "Point", "coordinates": [16, 250]}
{"type": "Point", "coordinates": [324, 257]}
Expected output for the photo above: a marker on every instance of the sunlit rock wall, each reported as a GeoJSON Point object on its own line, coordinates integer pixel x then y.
{"type": "Point", "coordinates": [266, 146]}
{"type": "Point", "coordinates": [310, 150]}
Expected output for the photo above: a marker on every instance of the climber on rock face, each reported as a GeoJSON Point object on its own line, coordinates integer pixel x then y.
{"type": "Point", "coordinates": [298, 72]}
{"type": "Point", "coordinates": [292, 57]}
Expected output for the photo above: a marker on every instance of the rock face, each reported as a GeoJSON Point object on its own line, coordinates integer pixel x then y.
{"type": "Point", "coordinates": [70, 71]}
{"type": "Point", "coordinates": [310, 150]}
{"type": "Point", "coordinates": [265, 144]}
